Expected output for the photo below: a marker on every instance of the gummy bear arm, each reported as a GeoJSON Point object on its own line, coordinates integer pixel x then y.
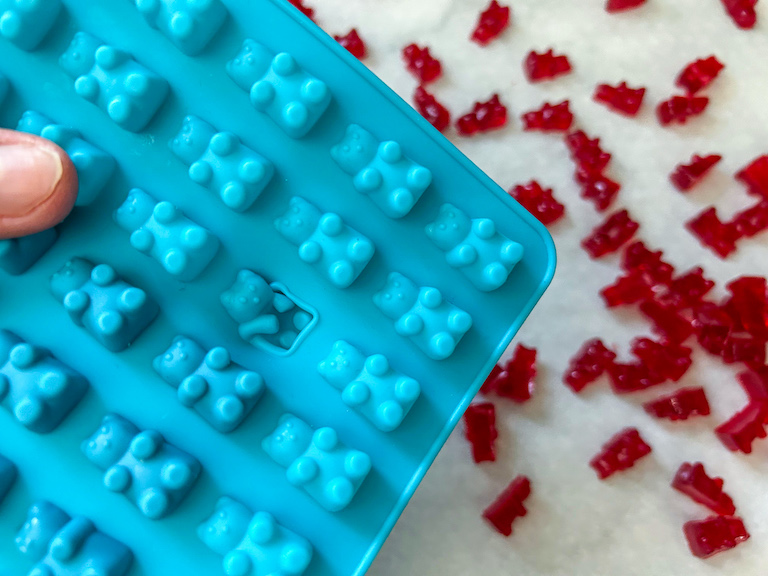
{"type": "Point", "coordinates": [265, 324]}
{"type": "Point", "coordinates": [71, 538]}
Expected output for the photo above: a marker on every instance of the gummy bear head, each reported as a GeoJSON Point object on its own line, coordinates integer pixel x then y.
{"type": "Point", "coordinates": [44, 520]}
{"type": "Point", "coordinates": [299, 221]}
{"type": "Point", "coordinates": [135, 211]}
{"type": "Point", "coordinates": [289, 440]}
{"type": "Point", "coordinates": [248, 298]}
{"type": "Point", "coordinates": [450, 228]}
{"type": "Point", "coordinates": [356, 150]}
{"type": "Point", "coordinates": [72, 276]}
{"type": "Point", "coordinates": [250, 65]}
{"type": "Point", "coordinates": [80, 56]}
{"type": "Point", "coordinates": [110, 442]}
{"type": "Point", "coordinates": [182, 358]}
{"type": "Point", "coordinates": [225, 528]}
{"type": "Point", "coordinates": [192, 140]}
{"type": "Point", "coordinates": [396, 297]}
{"type": "Point", "coordinates": [343, 364]}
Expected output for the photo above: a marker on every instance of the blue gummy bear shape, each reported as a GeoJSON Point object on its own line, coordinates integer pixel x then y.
{"type": "Point", "coordinates": [36, 388]}
{"type": "Point", "coordinates": [94, 167]}
{"type": "Point", "coordinates": [153, 474]}
{"type": "Point", "coordinates": [160, 230]}
{"type": "Point", "coordinates": [475, 247]}
{"type": "Point", "coordinates": [325, 241]}
{"type": "Point", "coordinates": [222, 392]}
{"type": "Point", "coordinates": [128, 92]}
{"type": "Point", "coordinates": [113, 311]}
{"type": "Point", "coordinates": [253, 543]}
{"type": "Point", "coordinates": [329, 471]}
{"type": "Point", "coordinates": [64, 546]}
{"type": "Point", "coordinates": [219, 161]}
{"type": "Point", "coordinates": [250, 65]}
{"type": "Point", "coordinates": [432, 323]}
{"type": "Point", "coordinates": [17, 255]}
{"type": "Point", "coordinates": [26, 23]}
{"type": "Point", "coordinates": [4, 87]}
{"type": "Point", "coordinates": [7, 476]}
{"type": "Point", "coordinates": [392, 180]}
{"type": "Point", "coordinates": [268, 315]}
{"type": "Point", "coordinates": [370, 385]}
{"type": "Point", "coordinates": [189, 24]}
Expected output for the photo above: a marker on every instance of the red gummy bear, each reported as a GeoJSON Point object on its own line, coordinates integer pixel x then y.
{"type": "Point", "coordinates": [712, 325]}
{"type": "Point", "coordinates": [620, 453]}
{"type": "Point", "coordinates": [692, 480]}
{"type": "Point", "coordinates": [740, 430]}
{"type": "Point", "coordinates": [353, 43]}
{"type": "Point", "coordinates": [545, 65]}
{"type": "Point", "coordinates": [719, 236]}
{"type": "Point", "coordinates": [588, 365]}
{"type": "Point", "coordinates": [742, 12]}
{"type": "Point", "coordinates": [621, 5]}
{"type": "Point", "coordinates": [492, 22]}
{"type": "Point", "coordinates": [515, 379]}
{"type": "Point", "coordinates": [666, 321]}
{"type": "Point", "coordinates": [748, 305]}
{"type": "Point", "coordinates": [743, 348]}
{"type": "Point", "coordinates": [598, 189]}
{"type": "Point", "coordinates": [610, 235]}
{"type": "Point", "coordinates": [664, 360]}
{"type": "Point", "coordinates": [628, 289]}
{"type": "Point", "coordinates": [685, 176]}
{"type": "Point", "coordinates": [713, 535]}
{"type": "Point", "coordinates": [421, 63]}
{"type": "Point", "coordinates": [680, 108]}
{"type": "Point", "coordinates": [620, 98]}
{"type": "Point", "coordinates": [752, 220]}
{"type": "Point", "coordinates": [550, 117]}
{"type": "Point", "coordinates": [586, 152]}
{"type": "Point", "coordinates": [538, 201]}
{"type": "Point", "coordinates": [680, 405]}
{"type": "Point", "coordinates": [307, 11]}
{"type": "Point", "coordinates": [437, 114]}
{"type": "Point", "coordinates": [485, 116]}
{"type": "Point", "coordinates": [509, 505]}
{"type": "Point", "coordinates": [687, 290]}
{"type": "Point", "coordinates": [480, 420]}
{"type": "Point", "coordinates": [699, 74]}
{"type": "Point", "coordinates": [755, 176]}
{"type": "Point", "coordinates": [633, 377]}
{"type": "Point", "coordinates": [638, 258]}
{"type": "Point", "coordinates": [755, 383]}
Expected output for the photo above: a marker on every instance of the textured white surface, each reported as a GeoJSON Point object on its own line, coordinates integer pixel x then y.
{"type": "Point", "coordinates": [631, 524]}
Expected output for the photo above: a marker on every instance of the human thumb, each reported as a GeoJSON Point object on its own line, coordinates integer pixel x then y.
{"type": "Point", "coordinates": [38, 184]}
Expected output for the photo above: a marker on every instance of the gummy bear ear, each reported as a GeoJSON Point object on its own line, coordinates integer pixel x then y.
{"type": "Point", "coordinates": [352, 129]}
{"type": "Point", "coordinates": [177, 339]}
{"type": "Point", "coordinates": [243, 275]}
{"type": "Point", "coordinates": [285, 417]}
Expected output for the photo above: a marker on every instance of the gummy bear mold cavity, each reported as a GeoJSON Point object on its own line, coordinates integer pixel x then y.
{"type": "Point", "coordinates": [189, 24]}
{"type": "Point", "coordinates": [27, 23]}
{"type": "Point", "coordinates": [17, 255]}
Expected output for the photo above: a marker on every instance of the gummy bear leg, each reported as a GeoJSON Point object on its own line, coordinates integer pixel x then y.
{"type": "Point", "coordinates": [234, 196]}
{"type": "Point", "coordinates": [511, 253]}
{"type": "Point", "coordinates": [132, 301]}
{"type": "Point", "coordinates": [401, 201]}
{"type": "Point", "coordinates": [237, 563]}
{"type": "Point", "coordinates": [192, 389]}
{"type": "Point", "coordinates": [177, 474]}
{"type": "Point", "coordinates": [249, 385]}
{"type": "Point", "coordinates": [494, 276]}
{"type": "Point", "coordinates": [41, 570]}
{"type": "Point", "coordinates": [146, 445]}
{"type": "Point", "coordinates": [338, 493]}
{"type": "Point", "coordinates": [153, 503]}
{"type": "Point", "coordinates": [53, 384]}
{"type": "Point", "coordinates": [441, 346]}
{"type": "Point", "coordinates": [71, 538]}
{"type": "Point", "coordinates": [302, 471]}
{"type": "Point", "coordinates": [117, 479]}
{"type": "Point", "coordinates": [356, 394]}
{"type": "Point", "coordinates": [389, 415]}
{"type": "Point", "coordinates": [341, 273]}
{"type": "Point", "coordinates": [76, 303]}
{"type": "Point", "coordinates": [175, 262]}
{"type": "Point", "coordinates": [296, 557]}
{"type": "Point", "coordinates": [368, 180]}
{"type": "Point", "coordinates": [357, 464]}
{"type": "Point", "coordinates": [29, 411]}
{"type": "Point", "coordinates": [262, 529]}
{"type": "Point", "coordinates": [229, 410]}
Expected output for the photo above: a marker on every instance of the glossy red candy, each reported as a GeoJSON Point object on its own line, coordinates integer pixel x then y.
{"type": "Point", "coordinates": [431, 109]}
{"type": "Point", "coordinates": [637, 256]}
{"type": "Point", "coordinates": [621, 5]}
{"type": "Point", "coordinates": [538, 201]}
{"type": "Point", "coordinates": [713, 233]}
{"type": "Point", "coordinates": [598, 189]}
{"type": "Point", "coordinates": [627, 289]}
{"type": "Point", "coordinates": [755, 383]}
{"type": "Point", "coordinates": [666, 321]}
{"type": "Point", "coordinates": [699, 74]}
{"type": "Point", "coordinates": [488, 385]}
{"type": "Point", "coordinates": [620, 453]}
{"type": "Point", "coordinates": [679, 109]}
{"type": "Point", "coordinates": [492, 22]}
{"type": "Point", "coordinates": [680, 405]}
{"type": "Point", "coordinates": [632, 377]}
{"type": "Point", "coordinates": [509, 505]}
{"type": "Point", "coordinates": [588, 364]}
{"type": "Point", "coordinates": [740, 430]}
{"type": "Point", "coordinates": [748, 305]}
{"type": "Point", "coordinates": [712, 326]}
{"type": "Point", "coordinates": [586, 152]}
{"type": "Point", "coordinates": [422, 64]}
{"type": "Point", "coordinates": [755, 176]}
{"type": "Point", "coordinates": [752, 220]}
{"type": "Point", "coordinates": [550, 117]}
{"type": "Point", "coordinates": [620, 98]}
{"type": "Point", "coordinates": [353, 43]}
{"type": "Point", "coordinates": [610, 235]}
{"type": "Point", "coordinates": [306, 10]}
{"type": "Point", "coordinates": [545, 65]}
{"type": "Point", "coordinates": [664, 360]}
{"type": "Point", "coordinates": [742, 12]}
{"type": "Point", "coordinates": [480, 421]}
{"type": "Point", "coordinates": [743, 348]}
{"type": "Point", "coordinates": [714, 535]}
{"type": "Point", "coordinates": [692, 480]}
{"type": "Point", "coordinates": [515, 380]}
{"type": "Point", "coordinates": [686, 176]}
{"type": "Point", "coordinates": [686, 290]}
{"type": "Point", "coordinates": [485, 116]}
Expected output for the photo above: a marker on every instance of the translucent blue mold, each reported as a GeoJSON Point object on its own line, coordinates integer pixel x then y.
{"type": "Point", "coordinates": [279, 291]}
